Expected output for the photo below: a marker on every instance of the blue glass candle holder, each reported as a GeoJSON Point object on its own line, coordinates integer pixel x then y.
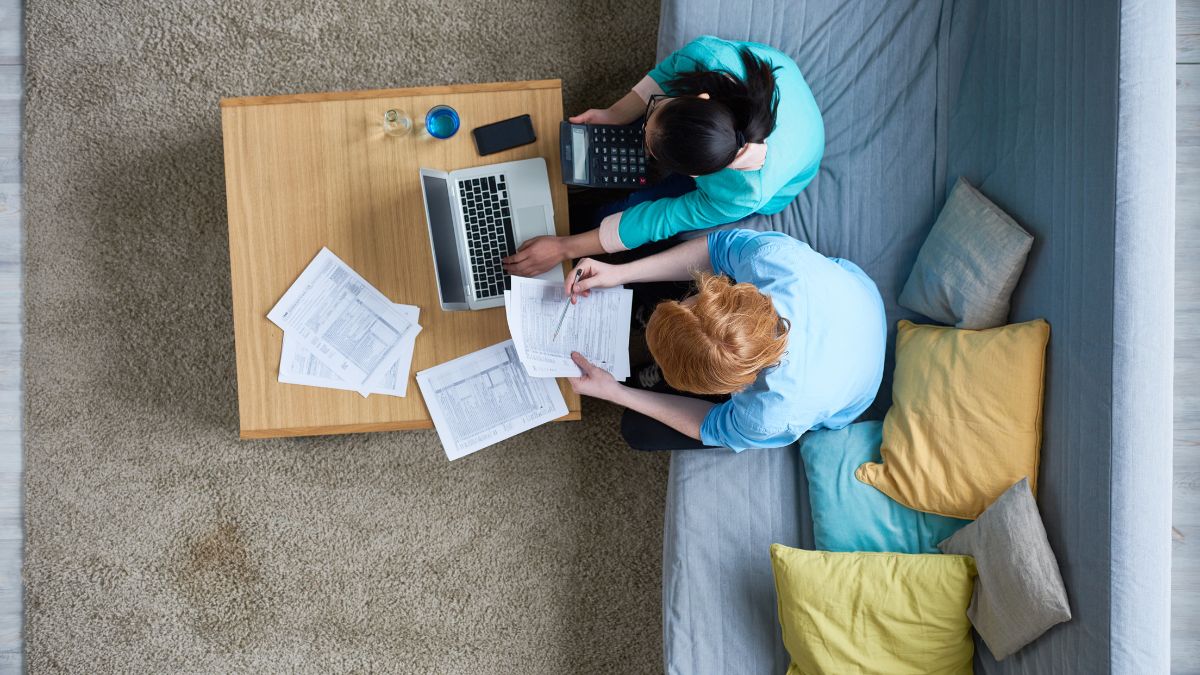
{"type": "Point", "coordinates": [441, 121]}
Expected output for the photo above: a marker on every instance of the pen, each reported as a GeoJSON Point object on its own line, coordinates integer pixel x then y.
{"type": "Point", "coordinates": [578, 273]}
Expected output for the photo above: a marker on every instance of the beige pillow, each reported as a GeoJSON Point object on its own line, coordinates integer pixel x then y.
{"type": "Point", "coordinates": [966, 417]}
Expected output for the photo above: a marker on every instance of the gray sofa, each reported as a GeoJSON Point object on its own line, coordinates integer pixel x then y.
{"type": "Point", "coordinates": [1062, 113]}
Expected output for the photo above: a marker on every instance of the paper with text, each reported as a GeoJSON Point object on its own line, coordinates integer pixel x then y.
{"type": "Point", "coordinates": [344, 321]}
{"type": "Point", "coordinates": [485, 397]}
{"type": "Point", "coordinates": [597, 327]}
{"type": "Point", "coordinates": [297, 365]}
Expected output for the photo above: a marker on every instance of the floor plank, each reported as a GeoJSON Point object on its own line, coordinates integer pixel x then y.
{"type": "Point", "coordinates": [11, 455]}
{"type": "Point", "coordinates": [1187, 31]}
{"type": "Point", "coordinates": [1185, 550]}
{"type": "Point", "coordinates": [1187, 105]}
{"type": "Point", "coordinates": [11, 33]}
{"type": "Point", "coordinates": [10, 123]}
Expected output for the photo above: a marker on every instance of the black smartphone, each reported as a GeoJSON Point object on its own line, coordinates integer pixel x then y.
{"type": "Point", "coordinates": [505, 134]}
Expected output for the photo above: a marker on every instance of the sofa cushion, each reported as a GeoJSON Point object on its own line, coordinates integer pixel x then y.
{"type": "Point", "coordinates": [1019, 592]}
{"type": "Point", "coordinates": [970, 263]}
{"type": "Point", "coordinates": [874, 612]}
{"type": "Point", "coordinates": [850, 516]}
{"type": "Point", "coordinates": [966, 418]}
{"type": "Point", "coordinates": [724, 510]}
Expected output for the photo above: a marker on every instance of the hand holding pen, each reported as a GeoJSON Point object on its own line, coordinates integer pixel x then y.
{"type": "Point", "coordinates": [591, 274]}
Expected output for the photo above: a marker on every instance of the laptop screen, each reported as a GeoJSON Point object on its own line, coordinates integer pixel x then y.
{"type": "Point", "coordinates": [445, 248]}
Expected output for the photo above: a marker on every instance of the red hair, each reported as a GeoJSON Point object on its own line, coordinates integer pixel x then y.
{"type": "Point", "coordinates": [719, 344]}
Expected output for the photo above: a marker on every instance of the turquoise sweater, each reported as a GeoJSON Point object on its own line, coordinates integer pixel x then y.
{"type": "Point", "coordinates": [793, 151]}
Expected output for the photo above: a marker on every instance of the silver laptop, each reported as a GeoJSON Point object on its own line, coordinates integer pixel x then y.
{"type": "Point", "coordinates": [478, 216]}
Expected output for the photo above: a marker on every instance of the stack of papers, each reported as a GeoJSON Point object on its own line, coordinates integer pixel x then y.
{"type": "Point", "coordinates": [342, 333]}
{"type": "Point", "coordinates": [496, 393]}
{"type": "Point", "coordinates": [597, 327]}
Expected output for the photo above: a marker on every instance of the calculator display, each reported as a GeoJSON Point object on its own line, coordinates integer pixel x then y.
{"type": "Point", "coordinates": [579, 148]}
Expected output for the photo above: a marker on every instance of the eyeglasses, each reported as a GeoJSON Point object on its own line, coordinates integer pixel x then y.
{"type": "Point", "coordinates": [651, 104]}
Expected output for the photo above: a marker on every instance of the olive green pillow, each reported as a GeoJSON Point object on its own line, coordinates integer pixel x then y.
{"type": "Point", "coordinates": [891, 613]}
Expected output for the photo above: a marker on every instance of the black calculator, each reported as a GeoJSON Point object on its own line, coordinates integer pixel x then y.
{"type": "Point", "coordinates": [603, 156]}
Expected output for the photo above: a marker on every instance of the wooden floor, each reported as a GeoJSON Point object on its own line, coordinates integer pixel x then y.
{"type": "Point", "coordinates": [1185, 638]}
{"type": "Point", "coordinates": [11, 69]}
{"type": "Point", "coordinates": [1185, 574]}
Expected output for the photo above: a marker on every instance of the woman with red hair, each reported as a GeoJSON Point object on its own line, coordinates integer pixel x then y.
{"type": "Point", "coordinates": [795, 339]}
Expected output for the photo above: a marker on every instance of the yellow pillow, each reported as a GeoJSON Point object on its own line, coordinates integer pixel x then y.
{"type": "Point", "coordinates": [966, 417]}
{"type": "Point", "coordinates": [894, 613]}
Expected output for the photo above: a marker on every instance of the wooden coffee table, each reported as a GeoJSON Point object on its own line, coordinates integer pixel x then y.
{"type": "Point", "coordinates": [311, 170]}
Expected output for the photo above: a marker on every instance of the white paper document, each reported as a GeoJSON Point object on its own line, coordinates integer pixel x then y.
{"type": "Point", "coordinates": [485, 397]}
{"type": "Point", "coordinates": [344, 322]}
{"type": "Point", "coordinates": [597, 327]}
{"type": "Point", "coordinates": [297, 365]}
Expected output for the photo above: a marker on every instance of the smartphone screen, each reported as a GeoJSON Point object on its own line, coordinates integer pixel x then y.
{"type": "Point", "coordinates": [505, 134]}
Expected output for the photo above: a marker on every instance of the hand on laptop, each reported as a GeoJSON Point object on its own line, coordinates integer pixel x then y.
{"type": "Point", "coordinates": [536, 256]}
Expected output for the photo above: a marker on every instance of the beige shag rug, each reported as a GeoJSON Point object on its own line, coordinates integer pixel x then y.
{"type": "Point", "coordinates": [156, 541]}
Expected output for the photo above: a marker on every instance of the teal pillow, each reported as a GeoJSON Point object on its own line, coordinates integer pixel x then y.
{"type": "Point", "coordinates": [849, 515]}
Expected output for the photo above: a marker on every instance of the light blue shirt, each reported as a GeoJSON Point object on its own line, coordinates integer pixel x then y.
{"type": "Point", "coordinates": [834, 361]}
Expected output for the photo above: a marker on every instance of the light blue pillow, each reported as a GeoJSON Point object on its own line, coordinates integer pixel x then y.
{"type": "Point", "coordinates": [849, 515]}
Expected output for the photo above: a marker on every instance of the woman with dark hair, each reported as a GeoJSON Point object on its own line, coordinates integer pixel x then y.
{"type": "Point", "coordinates": [734, 122]}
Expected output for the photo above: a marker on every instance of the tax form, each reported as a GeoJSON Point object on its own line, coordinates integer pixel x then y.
{"type": "Point", "coordinates": [485, 397]}
{"type": "Point", "coordinates": [343, 321]}
{"type": "Point", "coordinates": [597, 327]}
{"type": "Point", "coordinates": [297, 365]}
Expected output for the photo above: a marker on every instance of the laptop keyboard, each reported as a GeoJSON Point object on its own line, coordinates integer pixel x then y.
{"type": "Point", "coordinates": [489, 226]}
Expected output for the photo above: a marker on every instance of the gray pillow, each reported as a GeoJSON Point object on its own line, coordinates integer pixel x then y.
{"type": "Point", "coordinates": [970, 263]}
{"type": "Point", "coordinates": [1019, 592]}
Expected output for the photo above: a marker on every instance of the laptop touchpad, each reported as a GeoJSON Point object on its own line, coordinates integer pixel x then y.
{"type": "Point", "coordinates": [531, 222]}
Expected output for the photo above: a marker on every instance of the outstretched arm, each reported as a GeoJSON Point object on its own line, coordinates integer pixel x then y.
{"type": "Point", "coordinates": [682, 413]}
{"type": "Point", "coordinates": [629, 108]}
{"type": "Point", "coordinates": [678, 263]}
